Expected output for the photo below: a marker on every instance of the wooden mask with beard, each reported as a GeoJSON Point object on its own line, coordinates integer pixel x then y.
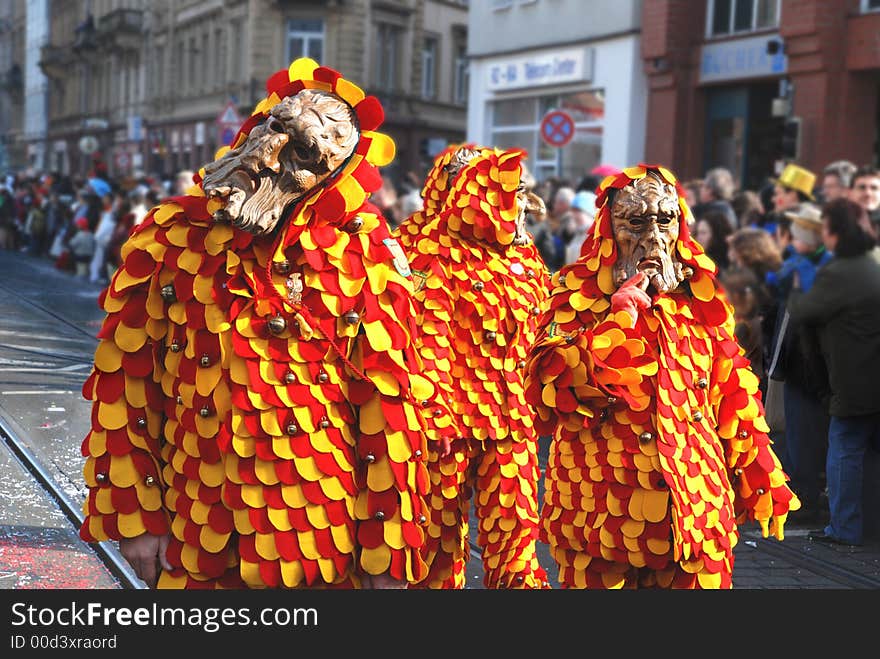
{"type": "Point", "coordinates": [304, 140]}
{"type": "Point", "coordinates": [645, 218]}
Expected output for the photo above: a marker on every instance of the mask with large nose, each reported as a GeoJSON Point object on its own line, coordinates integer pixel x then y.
{"type": "Point", "coordinates": [645, 219]}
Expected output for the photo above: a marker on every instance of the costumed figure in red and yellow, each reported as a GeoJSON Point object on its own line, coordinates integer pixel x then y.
{"type": "Point", "coordinates": [659, 442]}
{"type": "Point", "coordinates": [255, 419]}
{"type": "Point", "coordinates": [481, 285]}
{"type": "Point", "coordinates": [446, 166]}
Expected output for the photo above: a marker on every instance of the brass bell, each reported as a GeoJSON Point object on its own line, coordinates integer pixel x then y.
{"type": "Point", "coordinates": [369, 457]}
{"type": "Point", "coordinates": [205, 412]}
{"type": "Point", "coordinates": [760, 491]}
{"type": "Point", "coordinates": [536, 310]}
{"type": "Point", "coordinates": [168, 293]}
{"type": "Point", "coordinates": [490, 335]}
{"type": "Point", "coordinates": [141, 422]}
{"type": "Point", "coordinates": [281, 267]}
{"type": "Point", "coordinates": [277, 324]}
{"type": "Point", "coordinates": [646, 437]}
{"type": "Point", "coordinates": [612, 400]}
{"type": "Point", "coordinates": [352, 317]}
{"type": "Point", "coordinates": [698, 416]}
{"type": "Point", "coordinates": [149, 481]}
{"type": "Point", "coordinates": [702, 383]}
{"type": "Point", "coordinates": [324, 423]}
{"type": "Point", "coordinates": [380, 515]}
{"type": "Point", "coordinates": [743, 434]}
{"type": "Point", "coordinates": [437, 411]}
{"type": "Point", "coordinates": [521, 363]}
{"type": "Point", "coordinates": [101, 478]}
{"type": "Point", "coordinates": [425, 403]}
{"type": "Point", "coordinates": [323, 377]}
{"type": "Point", "coordinates": [562, 280]}
{"type": "Point", "coordinates": [180, 400]}
{"type": "Point", "coordinates": [738, 471]}
{"type": "Point", "coordinates": [418, 453]}
{"type": "Point", "coordinates": [422, 519]}
{"type": "Point", "coordinates": [174, 347]}
{"type": "Point", "coordinates": [291, 429]}
{"type": "Point", "coordinates": [355, 224]}
{"type": "Point", "coordinates": [205, 361]}
{"type": "Point", "coordinates": [290, 377]}
{"type": "Point", "coordinates": [479, 286]}
{"type": "Point", "coordinates": [530, 273]}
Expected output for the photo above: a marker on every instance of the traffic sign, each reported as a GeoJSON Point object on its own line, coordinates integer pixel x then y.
{"type": "Point", "coordinates": [229, 116]}
{"type": "Point", "coordinates": [557, 128]}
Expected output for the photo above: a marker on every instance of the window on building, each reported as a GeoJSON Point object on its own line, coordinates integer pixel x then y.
{"type": "Point", "coordinates": [388, 47]}
{"type": "Point", "coordinates": [305, 38]}
{"type": "Point", "coordinates": [735, 16]}
{"type": "Point", "coordinates": [501, 4]}
{"type": "Point", "coordinates": [870, 5]}
{"type": "Point", "coordinates": [516, 123]}
{"type": "Point", "coordinates": [429, 67]}
{"type": "Point", "coordinates": [461, 75]}
{"type": "Point", "coordinates": [222, 56]}
{"type": "Point", "coordinates": [207, 64]}
{"type": "Point", "coordinates": [237, 50]}
{"type": "Point", "coordinates": [193, 55]}
{"type": "Point", "coordinates": [179, 60]}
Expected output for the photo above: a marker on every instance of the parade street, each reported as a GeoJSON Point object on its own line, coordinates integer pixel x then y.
{"type": "Point", "coordinates": [47, 341]}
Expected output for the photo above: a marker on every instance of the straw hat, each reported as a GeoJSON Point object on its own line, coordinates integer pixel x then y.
{"type": "Point", "coordinates": [806, 215]}
{"type": "Point", "coordinates": [806, 224]}
{"type": "Point", "coordinates": [797, 178]}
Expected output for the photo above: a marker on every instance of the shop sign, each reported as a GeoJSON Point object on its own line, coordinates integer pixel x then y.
{"type": "Point", "coordinates": [741, 58]}
{"type": "Point", "coordinates": [553, 68]}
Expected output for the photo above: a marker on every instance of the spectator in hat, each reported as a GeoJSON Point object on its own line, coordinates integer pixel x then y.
{"type": "Point", "coordinates": [82, 246]}
{"type": "Point", "coordinates": [796, 360]}
{"type": "Point", "coordinates": [837, 179]}
{"type": "Point", "coordinates": [580, 220]}
{"type": "Point", "coordinates": [794, 186]}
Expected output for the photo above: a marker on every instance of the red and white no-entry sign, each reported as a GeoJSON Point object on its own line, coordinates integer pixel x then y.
{"type": "Point", "coordinates": [557, 128]}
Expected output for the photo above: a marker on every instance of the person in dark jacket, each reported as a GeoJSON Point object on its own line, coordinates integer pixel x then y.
{"type": "Point", "coordinates": [844, 305]}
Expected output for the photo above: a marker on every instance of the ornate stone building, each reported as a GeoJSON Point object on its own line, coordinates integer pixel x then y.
{"type": "Point", "coordinates": [160, 84]}
{"type": "Point", "coordinates": [12, 65]}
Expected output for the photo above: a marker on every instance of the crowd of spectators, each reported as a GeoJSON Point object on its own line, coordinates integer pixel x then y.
{"type": "Point", "coordinates": [78, 223]}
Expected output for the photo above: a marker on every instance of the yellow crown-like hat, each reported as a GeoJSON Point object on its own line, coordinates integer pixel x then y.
{"type": "Point", "coordinates": [795, 177]}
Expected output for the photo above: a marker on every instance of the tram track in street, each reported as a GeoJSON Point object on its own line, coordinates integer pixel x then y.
{"type": "Point", "coordinates": [11, 436]}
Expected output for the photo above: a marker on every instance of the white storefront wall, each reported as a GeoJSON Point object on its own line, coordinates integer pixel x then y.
{"type": "Point", "coordinates": [509, 94]}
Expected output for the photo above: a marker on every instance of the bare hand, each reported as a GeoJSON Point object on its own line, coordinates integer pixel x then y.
{"type": "Point", "coordinates": [146, 555]}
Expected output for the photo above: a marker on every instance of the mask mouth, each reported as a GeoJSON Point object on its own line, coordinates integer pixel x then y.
{"type": "Point", "coordinates": [649, 264]}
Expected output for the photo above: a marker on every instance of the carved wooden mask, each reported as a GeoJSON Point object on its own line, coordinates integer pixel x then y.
{"type": "Point", "coordinates": [304, 139]}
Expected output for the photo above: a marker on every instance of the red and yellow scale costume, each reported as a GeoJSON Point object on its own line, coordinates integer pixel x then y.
{"type": "Point", "coordinates": [480, 299]}
{"type": "Point", "coordinates": [434, 194]}
{"type": "Point", "coordinates": [659, 440]}
{"type": "Point", "coordinates": [277, 439]}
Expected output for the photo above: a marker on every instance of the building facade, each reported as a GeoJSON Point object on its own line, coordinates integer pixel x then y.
{"type": "Point", "coordinates": [13, 152]}
{"type": "Point", "coordinates": [725, 76]}
{"type": "Point", "coordinates": [159, 86]}
{"type": "Point", "coordinates": [562, 79]}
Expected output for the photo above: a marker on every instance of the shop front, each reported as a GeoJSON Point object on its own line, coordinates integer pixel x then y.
{"type": "Point", "coordinates": [596, 87]}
